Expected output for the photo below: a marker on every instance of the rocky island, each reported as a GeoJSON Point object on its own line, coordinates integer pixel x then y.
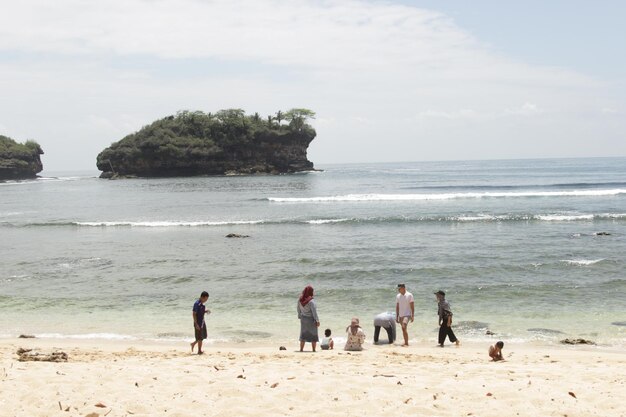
{"type": "Point", "coordinates": [228, 142]}
{"type": "Point", "coordinates": [19, 161]}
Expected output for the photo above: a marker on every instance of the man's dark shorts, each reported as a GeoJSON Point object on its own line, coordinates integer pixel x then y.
{"type": "Point", "coordinates": [200, 334]}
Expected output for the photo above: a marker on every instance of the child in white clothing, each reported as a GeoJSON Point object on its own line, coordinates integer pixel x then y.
{"type": "Point", "coordinates": [327, 341]}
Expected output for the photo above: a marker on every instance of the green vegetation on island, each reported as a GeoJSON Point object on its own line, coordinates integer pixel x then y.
{"type": "Point", "coordinates": [226, 142]}
{"type": "Point", "coordinates": [19, 161]}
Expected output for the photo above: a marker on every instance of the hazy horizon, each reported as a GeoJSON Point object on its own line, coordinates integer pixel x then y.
{"type": "Point", "coordinates": [322, 165]}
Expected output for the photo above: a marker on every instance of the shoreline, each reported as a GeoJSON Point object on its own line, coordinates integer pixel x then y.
{"type": "Point", "coordinates": [292, 345]}
{"type": "Point", "coordinates": [274, 345]}
{"type": "Point", "coordinates": [142, 379]}
{"type": "Point", "coordinates": [616, 344]}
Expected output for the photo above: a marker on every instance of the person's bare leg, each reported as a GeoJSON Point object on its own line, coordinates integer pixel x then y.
{"type": "Point", "coordinates": [405, 334]}
{"type": "Point", "coordinates": [193, 345]}
{"type": "Point", "coordinates": [313, 344]}
{"type": "Point", "coordinates": [301, 346]}
{"type": "Point", "coordinates": [200, 352]}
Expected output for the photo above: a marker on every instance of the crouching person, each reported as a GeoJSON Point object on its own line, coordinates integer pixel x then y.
{"type": "Point", "coordinates": [387, 321]}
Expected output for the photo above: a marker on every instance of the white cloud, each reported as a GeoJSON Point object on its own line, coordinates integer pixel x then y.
{"type": "Point", "coordinates": [370, 70]}
{"type": "Point", "coordinates": [527, 109]}
{"type": "Point", "coordinates": [468, 114]}
{"type": "Point", "coordinates": [609, 110]}
{"type": "Point", "coordinates": [328, 36]}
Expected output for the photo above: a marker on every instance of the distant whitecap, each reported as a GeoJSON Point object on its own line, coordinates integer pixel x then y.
{"type": "Point", "coordinates": [446, 196]}
{"type": "Point", "coordinates": [582, 262]}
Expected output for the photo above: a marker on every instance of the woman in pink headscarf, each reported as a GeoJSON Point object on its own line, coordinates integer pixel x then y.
{"type": "Point", "coordinates": [309, 321]}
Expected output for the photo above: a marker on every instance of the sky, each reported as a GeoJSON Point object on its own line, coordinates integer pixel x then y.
{"type": "Point", "coordinates": [405, 80]}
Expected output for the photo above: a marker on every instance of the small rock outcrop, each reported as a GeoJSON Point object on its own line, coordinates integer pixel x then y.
{"type": "Point", "coordinates": [577, 342]}
{"type": "Point", "coordinates": [19, 161]}
{"type": "Point", "coordinates": [228, 142]}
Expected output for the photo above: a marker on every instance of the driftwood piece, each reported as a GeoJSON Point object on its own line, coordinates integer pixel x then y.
{"type": "Point", "coordinates": [29, 355]}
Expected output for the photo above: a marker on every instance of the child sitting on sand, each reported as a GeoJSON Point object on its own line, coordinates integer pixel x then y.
{"type": "Point", "coordinates": [495, 351]}
{"type": "Point", "coordinates": [327, 341]}
{"type": "Point", "coordinates": [356, 336]}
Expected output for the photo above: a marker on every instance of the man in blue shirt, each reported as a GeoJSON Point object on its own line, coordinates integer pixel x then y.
{"type": "Point", "coordinates": [199, 324]}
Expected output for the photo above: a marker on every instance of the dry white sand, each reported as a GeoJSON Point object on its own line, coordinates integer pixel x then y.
{"type": "Point", "coordinates": [135, 379]}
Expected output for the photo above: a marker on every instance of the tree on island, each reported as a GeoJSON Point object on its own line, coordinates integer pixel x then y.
{"type": "Point", "coordinates": [297, 117]}
{"type": "Point", "coordinates": [280, 116]}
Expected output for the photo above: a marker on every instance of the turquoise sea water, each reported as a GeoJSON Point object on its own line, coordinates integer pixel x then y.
{"type": "Point", "coordinates": [514, 244]}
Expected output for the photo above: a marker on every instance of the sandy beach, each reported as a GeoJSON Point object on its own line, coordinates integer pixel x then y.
{"type": "Point", "coordinates": [136, 379]}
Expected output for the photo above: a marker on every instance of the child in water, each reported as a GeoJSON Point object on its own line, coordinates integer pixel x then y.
{"type": "Point", "coordinates": [327, 341]}
{"type": "Point", "coordinates": [495, 351]}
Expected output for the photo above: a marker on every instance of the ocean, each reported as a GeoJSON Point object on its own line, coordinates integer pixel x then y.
{"type": "Point", "coordinates": [530, 250]}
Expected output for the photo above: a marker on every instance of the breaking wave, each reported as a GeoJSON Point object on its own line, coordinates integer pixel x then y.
{"type": "Point", "coordinates": [582, 262]}
{"type": "Point", "coordinates": [165, 223]}
{"type": "Point", "coordinates": [446, 196]}
{"type": "Point", "coordinates": [328, 221]}
{"type": "Point", "coordinates": [465, 218]}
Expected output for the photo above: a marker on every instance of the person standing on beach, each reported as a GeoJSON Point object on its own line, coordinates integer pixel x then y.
{"type": "Point", "coordinates": [445, 319]}
{"type": "Point", "coordinates": [199, 310]}
{"type": "Point", "coordinates": [405, 310]}
{"type": "Point", "coordinates": [309, 321]}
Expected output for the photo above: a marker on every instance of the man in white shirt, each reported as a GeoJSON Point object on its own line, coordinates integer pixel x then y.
{"type": "Point", "coordinates": [405, 310]}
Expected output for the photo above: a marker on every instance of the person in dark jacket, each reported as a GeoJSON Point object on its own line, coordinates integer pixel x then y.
{"type": "Point", "coordinates": [445, 319]}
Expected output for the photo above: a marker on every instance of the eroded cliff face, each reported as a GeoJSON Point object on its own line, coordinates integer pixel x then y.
{"type": "Point", "coordinates": [19, 161]}
{"type": "Point", "coordinates": [268, 152]}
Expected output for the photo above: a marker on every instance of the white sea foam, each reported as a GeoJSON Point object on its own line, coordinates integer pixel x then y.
{"type": "Point", "coordinates": [612, 216]}
{"type": "Point", "coordinates": [565, 217]}
{"type": "Point", "coordinates": [58, 179]}
{"type": "Point", "coordinates": [41, 180]}
{"type": "Point", "coordinates": [469, 218]}
{"type": "Point", "coordinates": [166, 223]}
{"type": "Point", "coordinates": [313, 171]}
{"type": "Point", "coordinates": [11, 182]}
{"type": "Point", "coordinates": [582, 262]}
{"type": "Point", "coordinates": [327, 221]}
{"type": "Point", "coordinates": [479, 218]}
{"type": "Point", "coordinates": [11, 213]}
{"type": "Point", "coordinates": [446, 196]}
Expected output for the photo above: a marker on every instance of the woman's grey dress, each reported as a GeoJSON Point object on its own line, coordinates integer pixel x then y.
{"type": "Point", "coordinates": [308, 317]}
